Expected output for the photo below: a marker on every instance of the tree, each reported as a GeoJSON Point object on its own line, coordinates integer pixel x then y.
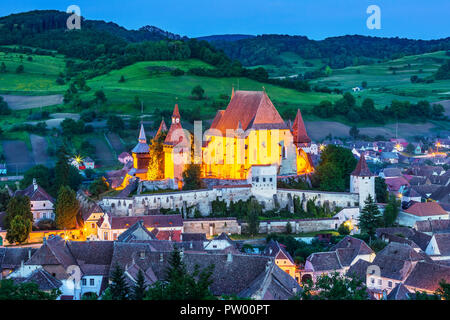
{"type": "Point", "coordinates": [343, 229]}
{"type": "Point", "coordinates": [370, 218]}
{"type": "Point", "coordinates": [330, 177]}
{"type": "Point", "coordinates": [20, 69]}
{"type": "Point", "coordinates": [66, 209]}
{"type": "Point", "coordinates": [41, 173]}
{"type": "Point", "coordinates": [391, 211]}
{"type": "Point", "coordinates": [4, 108]}
{"type": "Point", "coordinates": [198, 92]}
{"type": "Point", "coordinates": [288, 228]}
{"type": "Point", "coordinates": [336, 163]}
{"type": "Point", "coordinates": [139, 289]}
{"type": "Point", "coordinates": [115, 123]}
{"type": "Point", "coordinates": [381, 192]}
{"type": "Point", "coordinates": [118, 288]}
{"type": "Point", "coordinates": [100, 96]}
{"type": "Point", "coordinates": [61, 170]}
{"type": "Point", "coordinates": [4, 199]}
{"type": "Point", "coordinates": [444, 290]}
{"type": "Point", "coordinates": [335, 287]}
{"type": "Point", "coordinates": [122, 79]}
{"type": "Point", "coordinates": [354, 132]}
{"type": "Point", "coordinates": [410, 148]}
{"type": "Point", "coordinates": [364, 84]}
{"type": "Point", "coordinates": [191, 177]}
{"type": "Point", "coordinates": [3, 68]}
{"type": "Point", "coordinates": [18, 206]}
{"type": "Point", "coordinates": [254, 210]}
{"type": "Point", "coordinates": [179, 284]}
{"type": "Point", "coordinates": [19, 229]}
{"type": "Point", "coordinates": [98, 187]}
{"type": "Point", "coordinates": [9, 290]}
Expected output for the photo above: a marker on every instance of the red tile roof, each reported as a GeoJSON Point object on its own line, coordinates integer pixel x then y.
{"type": "Point", "coordinates": [35, 194]}
{"type": "Point", "coordinates": [299, 130]}
{"type": "Point", "coordinates": [253, 109]}
{"type": "Point", "coordinates": [217, 118]}
{"type": "Point", "coordinates": [362, 169]}
{"type": "Point", "coordinates": [424, 209]}
{"type": "Point", "coordinates": [176, 135]}
{"type": "Point", "coordinates": [152, 221]}
{"type": "Point", "coordinates": [162, 128]}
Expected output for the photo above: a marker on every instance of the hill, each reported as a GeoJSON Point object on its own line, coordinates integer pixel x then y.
{"type": "Point", "coordinates": [337, 52]}
{"type": "Point", "coordinates": [225, 37]}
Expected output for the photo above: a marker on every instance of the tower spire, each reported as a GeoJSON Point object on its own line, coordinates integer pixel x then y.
{"type": "Point", "coordinates": [142, 137]}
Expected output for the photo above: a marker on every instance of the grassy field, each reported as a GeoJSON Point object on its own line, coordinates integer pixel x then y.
{"type": "Point", "coordinates": [391, 80]}
{"type": "Point", "coordinates": [161, 90]}
{"type": "Point", "coordinates": [39, 76]}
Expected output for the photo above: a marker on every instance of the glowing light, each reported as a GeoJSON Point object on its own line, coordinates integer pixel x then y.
{"type": "Point", "coordinates": [322, 147]}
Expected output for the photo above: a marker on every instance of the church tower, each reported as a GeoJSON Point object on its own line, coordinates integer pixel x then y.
{"type": "Point", "coordinates": [176, 149]}
{"type": "Point", "coordinates": [141, 156]}
{"type": "Point", "coordinates": [362, 181]}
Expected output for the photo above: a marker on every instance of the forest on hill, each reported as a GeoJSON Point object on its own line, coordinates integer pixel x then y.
{"type": "Point", "coordinates": [337, 52]}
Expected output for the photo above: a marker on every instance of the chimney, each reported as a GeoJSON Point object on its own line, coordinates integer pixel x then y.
{"type": "Point", "coordinates": [34, 184]}
{"type": "Point", "coordinates": [229, 257]}
{"type": "Point", "coordinates": [161, 257]}
{"type": "Point", "coordinates": [29, 254]}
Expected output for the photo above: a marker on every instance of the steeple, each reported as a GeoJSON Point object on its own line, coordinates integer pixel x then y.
{"type": "Point", "coordinates": [142, 137]}
{"type": "Point", "coordinates": [162, 128]}
{"type": "Point", "coordinates": [299, 130]}
{"type": "Point", "coordinates": [176, 114]}
{"type": "Point", "coordinates": [362, 169]}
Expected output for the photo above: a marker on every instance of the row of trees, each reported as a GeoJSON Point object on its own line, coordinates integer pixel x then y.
{"type": "Point", "coordinates": [347, 107]}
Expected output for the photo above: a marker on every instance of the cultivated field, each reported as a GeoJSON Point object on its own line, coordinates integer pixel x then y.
{"type": "Point", "coordinates": [16, 102]}
{"type": "Point", "coordinates": [18, 157]}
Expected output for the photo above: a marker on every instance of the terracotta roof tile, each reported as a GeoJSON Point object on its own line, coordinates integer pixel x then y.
{"type": "Point", "coordinates": [299, 130]}
{"type": "Point", "coordinates": [362, 169]}
{"type": "Point", "coordinates": [425, 209]}
{"type": "Point", "coordinates": [253, 109]}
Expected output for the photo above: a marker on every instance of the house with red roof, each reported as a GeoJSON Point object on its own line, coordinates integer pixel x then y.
{"type": "Point", "coordinates": [164, 227]}
{"type": "Point", "coordinates": [421, 211]}
{"type": "Point", "coordinates": [42, 204]}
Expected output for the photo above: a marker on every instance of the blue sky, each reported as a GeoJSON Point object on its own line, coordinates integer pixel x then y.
{"type": "Point", "coordinates": [317, 19]}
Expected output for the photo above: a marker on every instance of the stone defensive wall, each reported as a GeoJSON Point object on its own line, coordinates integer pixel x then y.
{"type": "Point", "coordinates": [188, 201]}
{"type": "Point", "coordinates": [285, 197]}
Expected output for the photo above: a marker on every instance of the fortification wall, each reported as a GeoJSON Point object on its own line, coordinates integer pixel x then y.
{"type": "Point", "coordinates": [334, 199]}
{"type": "Point", "coordinates": [212, 226]}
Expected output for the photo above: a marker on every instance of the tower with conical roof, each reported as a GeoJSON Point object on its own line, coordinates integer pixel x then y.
{"type": "Point", "coordinates": [176, 149]}
{"type": "Point", "coordinates": [141, 156]}
{"type": "Point", "coordinates": [362, 181]}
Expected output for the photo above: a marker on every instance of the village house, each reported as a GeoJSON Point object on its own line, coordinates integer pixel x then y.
{"type": "Point", "coordinates": [343, 255]}
{"type": "Point", "coordinates": [282, 259]}
{"type": "Point", "coordinates": [421, 211]}
{"type": "Point", "coordinates": [82, 267]}
{"type": "Point", "coordinates": [42, 204]}
{"type": "Point", "coordinates": [392, 266]}
{"type": "Point", "coordinates": [433, 226]}
{"type": "Point", "coordinates": [439, 247]}
{"type": "Point", "coordinates": [426, 277]}
{"type": "Point", "coordinates": [415, 239]}
{"type": "Point", "coordinates": [245, 276]}
{"type": "Point", "coordinates": [164, 227]}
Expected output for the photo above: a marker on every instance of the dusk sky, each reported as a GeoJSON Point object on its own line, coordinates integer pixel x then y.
{"type": "Point", "coordinates": [316, 19]}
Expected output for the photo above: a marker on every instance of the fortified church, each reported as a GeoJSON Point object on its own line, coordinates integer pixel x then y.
{"type": "Point", "coordinates": [248, 133]}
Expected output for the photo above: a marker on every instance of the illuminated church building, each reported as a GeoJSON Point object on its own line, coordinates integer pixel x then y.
{"type": "Point", "coordinates": [249, 132]}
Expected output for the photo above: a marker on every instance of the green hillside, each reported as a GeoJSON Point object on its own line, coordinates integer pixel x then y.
{"type": "Point", "coordinates": [39, 76]}
{"type": "Point", "coordinates": [161, 89]}
{"type": "Point", "coordinates": [390, 80]}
